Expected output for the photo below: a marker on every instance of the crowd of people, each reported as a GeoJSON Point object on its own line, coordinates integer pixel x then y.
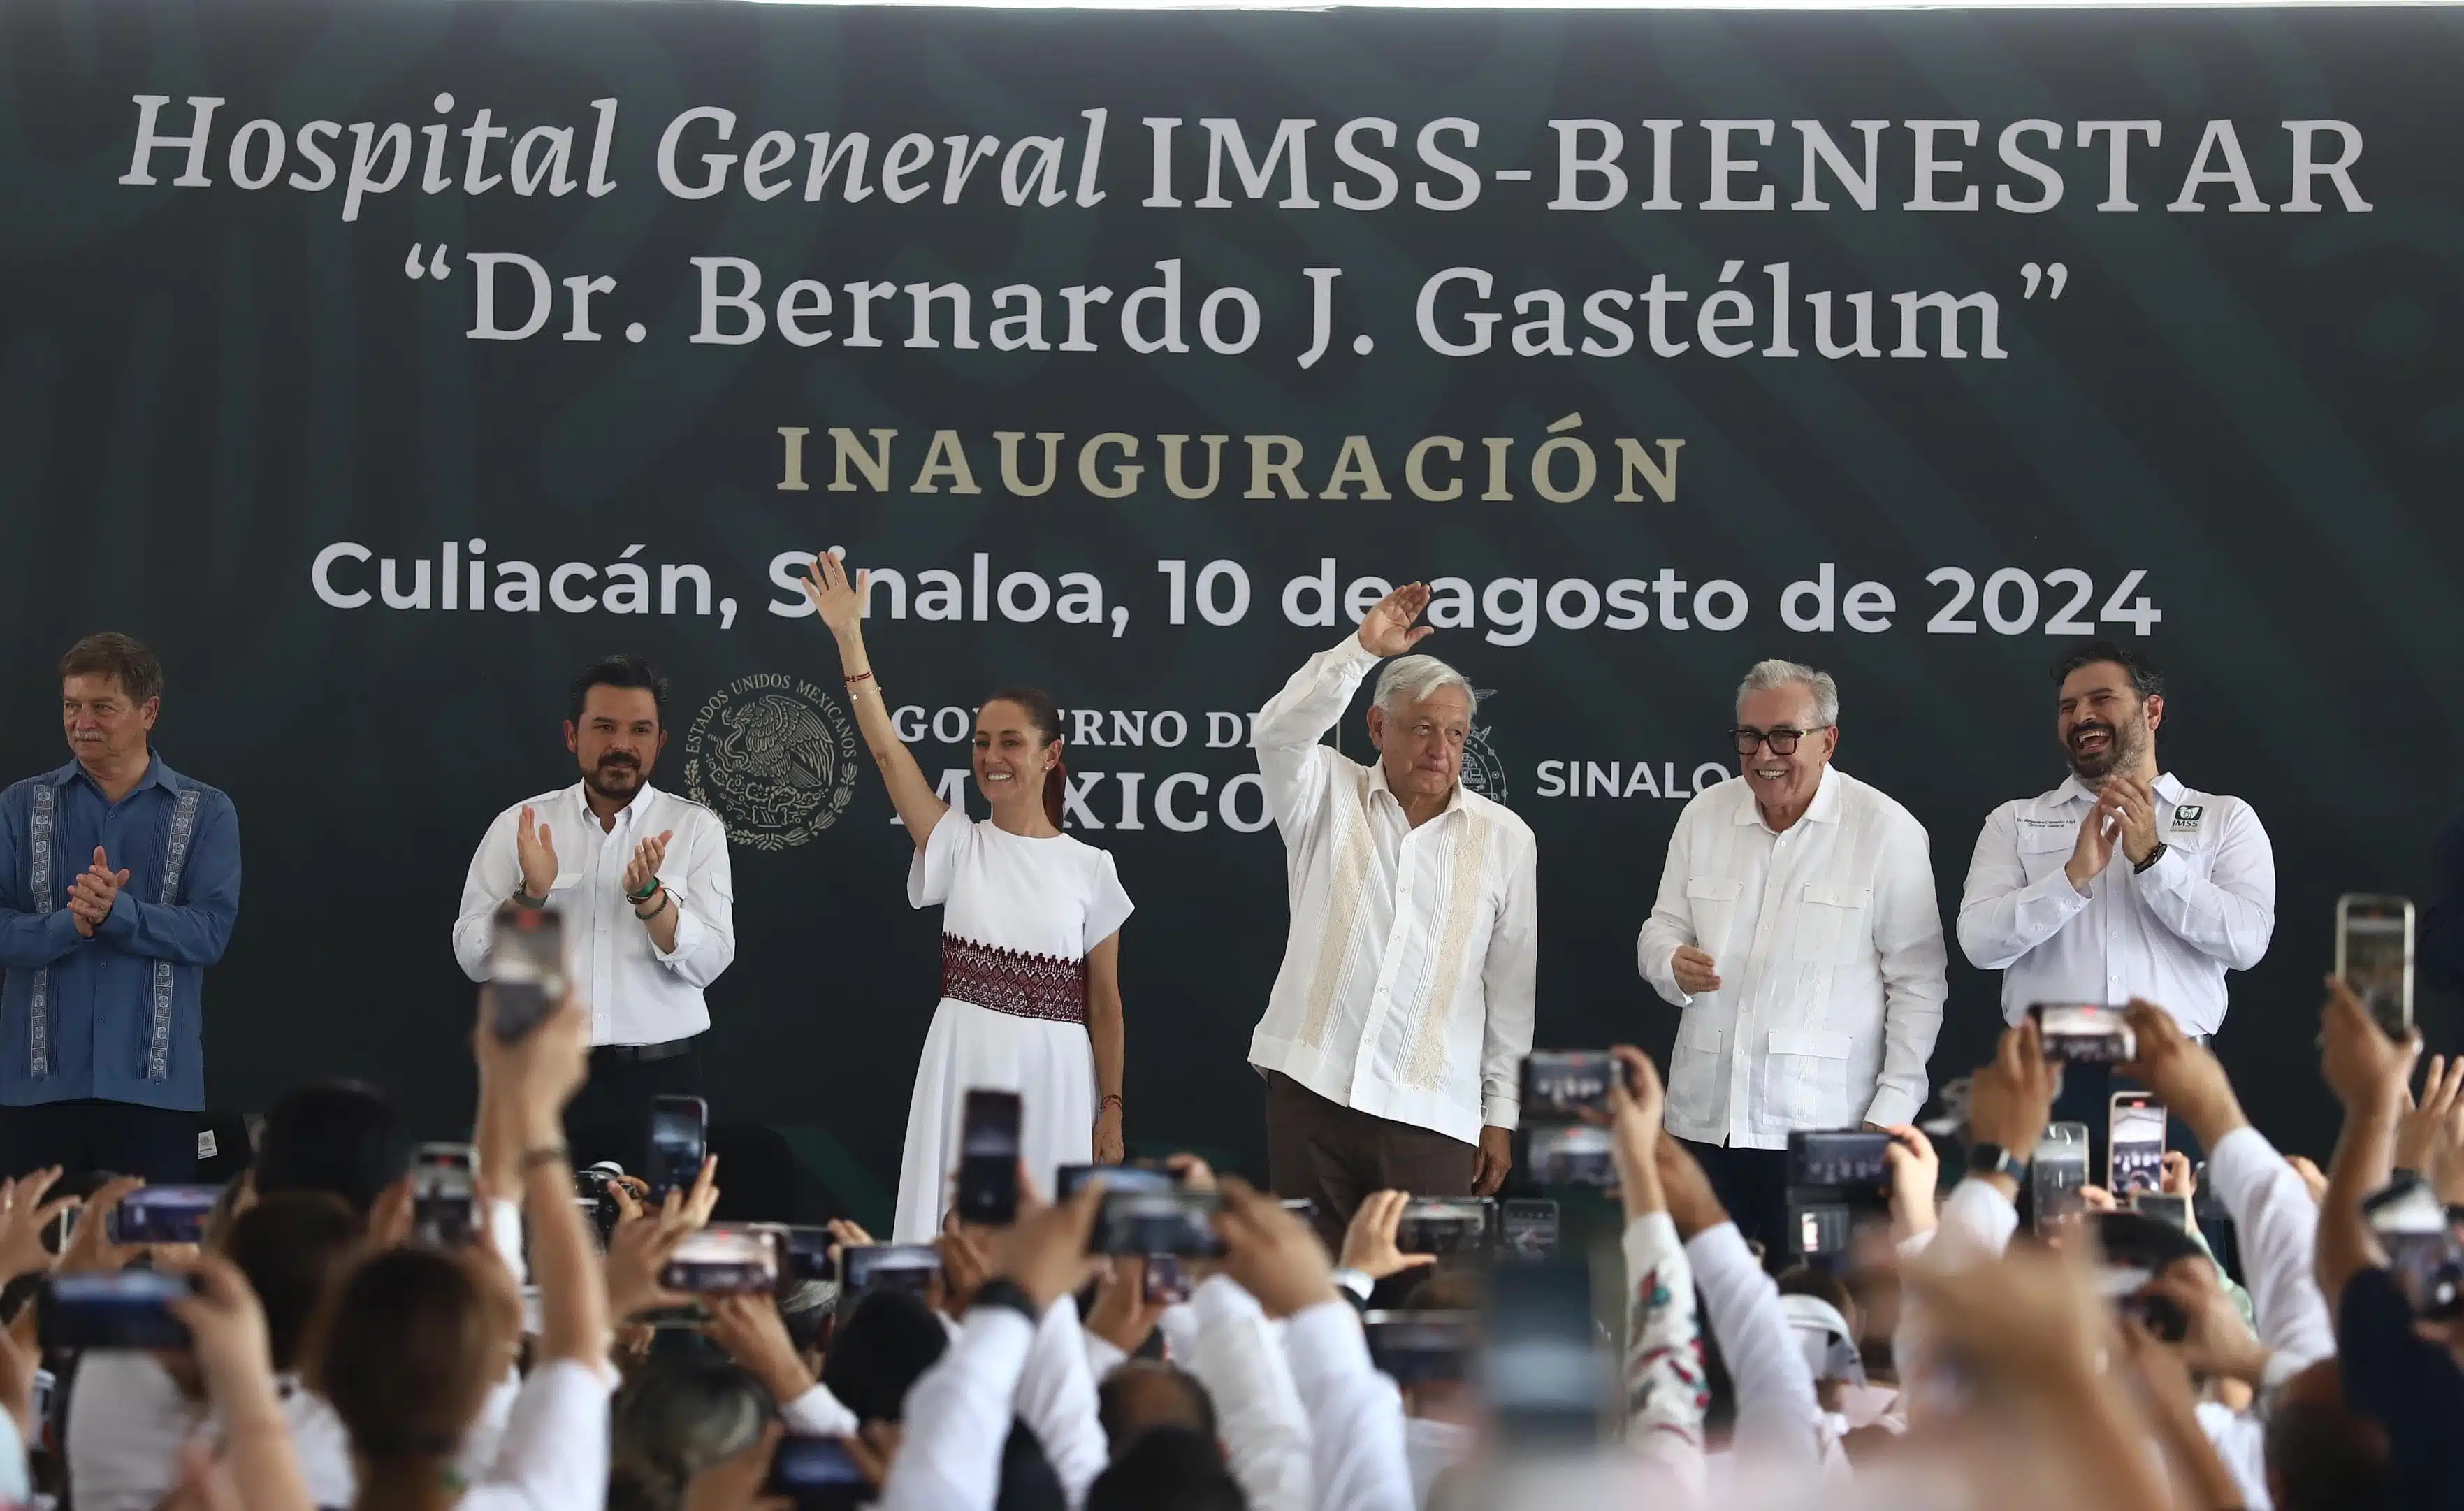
{"type": "Point", "coordinates": [335, 1348]}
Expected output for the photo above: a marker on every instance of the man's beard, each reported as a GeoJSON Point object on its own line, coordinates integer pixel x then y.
{"type": "Point", "coordinates": [613, 779]}
{"type": "Point", "coordinates": [2121, 753]}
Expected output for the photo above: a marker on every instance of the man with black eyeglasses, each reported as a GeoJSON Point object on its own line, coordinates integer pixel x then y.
{"type": "Point", "coordinates": [1797, 928]}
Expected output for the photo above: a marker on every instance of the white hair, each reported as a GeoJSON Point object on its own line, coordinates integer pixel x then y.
{"type": "Point", "coordinates": [1768, 675]}
{"type": "Point", "coordinates": [1416, 679]}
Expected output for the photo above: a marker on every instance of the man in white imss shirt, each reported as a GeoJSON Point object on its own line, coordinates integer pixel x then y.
{"type": "Point", "coordinates": [641, 879]}
{"type": "Point", "coordinates": [2120, 884]}
{"type": "Point", "coordinates": [1797, 927]}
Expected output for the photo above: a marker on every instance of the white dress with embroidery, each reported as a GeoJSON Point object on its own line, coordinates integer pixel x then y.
{"type": "Point", "coordinates": [1019, 918]}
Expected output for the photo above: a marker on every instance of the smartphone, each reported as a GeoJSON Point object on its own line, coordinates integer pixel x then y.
{"type": "Point", "coordinates": [1572, 1154]}
{"type": "Point", "coordinates": [445, 1195]}
{"type": "Point", "coordinates": [2374, 956]}
{"type": "Point", "coordinates": [724, 1259]}
{"type": "Point", "coordinates": [1175, 1222]}
{"type": "Point", "coordinates": [1444, 1225]}
{"type": "Point", "coordinates": [988, 1158]}
{"type": "Point", "coordinates": [163, 1214]}
{"type": "Point", "coordinates": [1422, 1347]}
{"type": "Point", "coordinates": [1305, 1208]}
{"type": "Point", "coordinates": [817, 1474]}
{"type": "Point", "coordinates": [525, 968]}
{"type": "Point", "coordinates": [1568, 1085]}
{"type": "Point", "coordinates": [867, 1268]}
{"type": "Point", "coordinates": [1528, 1230]}
{"type": "Point", "coordinates": [1847, 1157]}
{"type": "Point", "coordinates": [2084, 1032]}
{"type": "Point", "coordinates": [679, 1140]}
{"type": "Point", "coordinates": [2171, 1211]}
{"type": "Point", "coordinates": [1542, 1367]}
{"type": "Point", "coordinates": [2135, 1160]}
{"type": "Point", "coordinates": [1166, 1282]}
{"type": "Point", "coordinates": [2057, 1174]}
{"type": "Point", "coordinates": [113, 1309]}
{"type": "Point", "coordinates": [1070, 1179]}
{"type": "Point", "coordinates": [804, 1252]}
{"type": "Point", "coordinates": [2419, 1238]}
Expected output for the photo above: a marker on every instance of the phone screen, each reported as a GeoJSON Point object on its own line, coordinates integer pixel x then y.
{"type": "Point", "coordinates": [1566, 1086]}
{"type": "Point", "coordinates": [1165, 1283]}
{"type": "Point", "coordinates": [525, 968]}
{"type": "Point", "coordinates": [866, 1268]}
{"type": "Point", "coordinates": [2374, 955]}
{"type": "Point", "coordinates": [817, 1474]}
{"type": "Point", "coordinates": [2057, 1174]}
{"type": "Point", "coordinates": [1174, 1222]}
{"type": "Point", "coordinates": [679, 1137]}
{"type": "Point", "coordinates": [723, 1261]}
{"type": "Point", "coordinates": [1542, 1369]}
{"type": "Point", "coordinates": [1528, 1230]}
{"type": "Point", "coordinates": [163, 1214]}
{"type": "Point", "coordinates": [1070, 1179]}
{"type": "Point", "coordinates": [2083, 1032]}
{"type": "Point", "coordinates": [2171, 1211]}
{"type": "Point", "coordinates": [2137, 1143]}
{"type": "Point", "coordinates": [1575, 1154]}
{"type": "Point", "coordinates": [1849, 1157]}
{"type": "Point", "coordinates": [1422, 1347]}
{"type": "Point", "coordinates": [113, 1309]}
{"type": "Point", "coordinates": [988, 1158]}
{"type": "Point", "coordinates": [2419, 1238]}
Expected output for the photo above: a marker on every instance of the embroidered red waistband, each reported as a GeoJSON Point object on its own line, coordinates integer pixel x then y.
{"type": "Point", "coordinates": [1014, 982]}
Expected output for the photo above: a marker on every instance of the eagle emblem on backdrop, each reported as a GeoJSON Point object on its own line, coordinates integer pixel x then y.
{"type": "Point", "coordinates": [774, 756]}
{"type": "Point", "coordinates": [1481, 770]}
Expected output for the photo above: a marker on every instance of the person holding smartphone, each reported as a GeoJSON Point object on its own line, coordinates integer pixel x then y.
{"type": "Point", "coordinates": [1031, 936]}
{"type": "Point", "coordinates": [641, 880]}
{"type": "Point", "coordinates": [2122, 882]}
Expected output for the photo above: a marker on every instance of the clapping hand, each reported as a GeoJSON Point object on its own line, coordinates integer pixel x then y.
{"type": "Point", "coordinates": [93, 892]}
{"type": "Point", "coordinates": [1387, 629]}
{"type": "Point", "coordinates": [535, 848]}
{"type": "Point", "coordinates": [2134, 809]}
{"type": "Point", "coordinates": [643, 868]}
{"type": "Point", "coordinates": [2093, 851]}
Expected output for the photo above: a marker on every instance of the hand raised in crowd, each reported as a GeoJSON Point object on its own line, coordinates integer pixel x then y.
{"type": "Point", "coordinates": [2418, 1129]}
{"type": "Point", "coordinates": [2093, 850]}
{"type": "Point", "coordinates": [1195, 1175]}
{"type": "Point", "coordinates": [93, 892]}
{"type": "Point", "coordinates": [2184, 1074]}
{"type": "Point", "coordinates": [1916, 1176]}
{"type": "Point", "coordinates": [2218, 1343]}
{"type": "Point", "coordinates": [1637, 1101]}
{"type": "Point", "coordinates": [540, 1072]}
{"type": "Point", "coordinates": [1044, 1253]}
{"type": "Point", "coordinates": [535, 851]}
{"type": "Point", "coordinates": [1369, 1242]}
{"type": "Point", "coordinates": [2030, 1321]}
{"type": "Point", "coordinates": [227, 1336]}
{"type": "Point", "coordinates": [90, 1249]}
{"type": "Point", "coordinates": [1271, 1253]}
{"type": "Point", "coordinates": [1692, 1205]}
{"type": "Point", "coordinates": [749, 1331]}
{"type": "Point", "coordinates": [2010, 1098]}
{"type": "Point", "coordinates": [2367, 1070]}
{"type": "Point", "coordinates": [24, 1218]}
{"type": "Point", "coordinates": [2134, 806]}
{"type": "Point", "coordinates": [638, 1250]}
{"type": "Point", "coordinates": [1696, 973]}
{"type": "Point", "coordinates": [846, 1235]}
{"type": "Point", "coordinates": [966, 1264]}
{"type": "Point", "coordinates": [2314, 1180]}
{"type": "Point", "coordinates": [839, 602]}
{"type": "Point", "coordinates": [1386, 630]}
{"type": "Point", "coordinates": [643, 868]}
{"type": "Point", "coordinates": [1122, 1315]}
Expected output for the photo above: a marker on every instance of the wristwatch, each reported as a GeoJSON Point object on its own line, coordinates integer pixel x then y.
{"type": "Point", "coordinates": [2153, 857]}
{"type": "Point", "coordinates": [1992, 1159]}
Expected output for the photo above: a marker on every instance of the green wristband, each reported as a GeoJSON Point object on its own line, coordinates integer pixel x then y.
{"type": "Point", "coordinates": [646, 894]}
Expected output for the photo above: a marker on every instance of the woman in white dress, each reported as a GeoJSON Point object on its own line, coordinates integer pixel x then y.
{"type": "Point", "coordinates": [1031, 941]}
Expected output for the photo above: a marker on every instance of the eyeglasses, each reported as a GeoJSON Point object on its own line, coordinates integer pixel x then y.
{"type": "Point", "coordinates": [1782, 742]}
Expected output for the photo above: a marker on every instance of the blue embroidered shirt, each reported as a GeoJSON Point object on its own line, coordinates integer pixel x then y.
{"type": "Point", "coordinates": [123, 1012]}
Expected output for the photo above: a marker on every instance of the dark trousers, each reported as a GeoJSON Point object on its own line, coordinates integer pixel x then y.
{"type": "Point", "coordinates": [157, 1142]}
{"type": "Point", "coordinates": [1752, 1184]}
{"type": "Point", "coordinates": [610, 1118]}
{"type": "Point", "coordinates": [1337, 1157]}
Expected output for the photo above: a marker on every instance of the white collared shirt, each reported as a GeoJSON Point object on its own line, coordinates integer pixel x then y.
{"type": "Point", "coordinates": [1828, 944]}
{"type": "Point", "coordinates": [635, 994]}
{"type": "Point", "coordinates": [2167, 934]}
{"type": "Point", "coordinates": [1406, 987]}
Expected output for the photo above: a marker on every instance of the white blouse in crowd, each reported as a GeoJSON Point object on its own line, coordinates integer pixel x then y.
{"type": "Point", "coordinates": [636, 994]}
{"type": "Point", "coordinates": [2167, 934]}
{"type": "Point", "coordinates": [1406, 984]}
{"type": "Point", "coordinates": [1827, 939]}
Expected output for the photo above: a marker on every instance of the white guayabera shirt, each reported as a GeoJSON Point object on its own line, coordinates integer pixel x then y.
{"type": "Point", "coordinates": [1406, 987]}
{"type": "Point", "coordinates": [1828, 944]}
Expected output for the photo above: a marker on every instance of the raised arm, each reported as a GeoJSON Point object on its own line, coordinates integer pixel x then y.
{"type": "Point", "coordinates": [841, 608]}
{"type": "Point", "coordinates": [2368, 1071]}
{"type": "Point", "coordinates": [1287, 730]}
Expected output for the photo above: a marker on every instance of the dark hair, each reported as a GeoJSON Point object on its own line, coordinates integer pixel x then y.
{"type": "Point", "coordinates": [2147, 680]}
{"type": "Point", "coordinates": [2135, 1240]}
{"type": "Point", "coordinates": [2321, 1453]}
{"type": "Point", "coordinates": [1147, 1395]}
{"type": "Point", "coordinates": [1168, 1469]}
{"type": "Point", "coordinates": [345, 1136]}
{"type": "Point", "coordinates": [117, 657]}
{"type": "Point", "coordinates": [619, 671]}
{"type": "Point", "coordinates": [1443, 1288]}
{"type": "Point", "coordinates": [674, 1418]}
{"type": "Point", "coordinates": [406, 1352]}
{"type": "Point", "coordinates": [1027, 1480]}
{"type": "Point", "coordinates": [1044, 717]}
{"type": "Point", "coordinates": [1804, 1280]}
{"type": "Point", "coordinates": [877, 1354]}
{"type": "Point", "coordinates": [292, 1248]}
